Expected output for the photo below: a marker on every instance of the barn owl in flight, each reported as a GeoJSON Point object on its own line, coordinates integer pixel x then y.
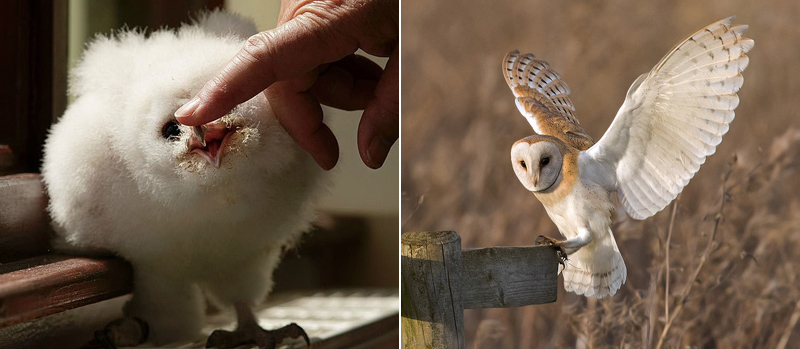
{"type": "Point", "coordinates": [672, 118]}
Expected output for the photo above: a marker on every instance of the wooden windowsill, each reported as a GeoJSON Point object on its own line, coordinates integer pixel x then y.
{"type": "Point", "coordinates": [48, 284]}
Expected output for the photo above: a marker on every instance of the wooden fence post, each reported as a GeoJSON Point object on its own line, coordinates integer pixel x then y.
{"type": "Point", "coordinates": [432, 310]}
{"type": "Point", "coordinates": [439, 280]}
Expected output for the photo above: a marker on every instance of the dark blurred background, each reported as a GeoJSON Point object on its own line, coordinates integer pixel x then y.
{"type": "Point", "coordinates": [459, 122]}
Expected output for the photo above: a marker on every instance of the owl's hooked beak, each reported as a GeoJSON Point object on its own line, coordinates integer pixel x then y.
{"type": "Point", "coordinates": [536, 178]}
{"type": "Point", "coordinates": [209, 141]}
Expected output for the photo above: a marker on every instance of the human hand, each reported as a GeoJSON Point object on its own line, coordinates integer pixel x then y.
{"type": "Point", "coordinates": [309, 60]}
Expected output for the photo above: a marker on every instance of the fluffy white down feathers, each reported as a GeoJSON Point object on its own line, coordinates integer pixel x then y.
{"type": "Point", "coordinates": [124, 178]}
{"type": "Point", "coordinates": [671, 120]}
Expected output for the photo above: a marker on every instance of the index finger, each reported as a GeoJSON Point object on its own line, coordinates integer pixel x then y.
{"type": "Point", "coordinates": [288, 51]}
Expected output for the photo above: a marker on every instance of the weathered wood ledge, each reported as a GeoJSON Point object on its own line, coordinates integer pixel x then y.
{"type": "Point", "coordinates": [49, 284]}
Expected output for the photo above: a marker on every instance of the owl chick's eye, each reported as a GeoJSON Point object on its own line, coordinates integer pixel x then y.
{"type": "Point", "coordinates": [171, 131]}
{"type": "Point", "coordinates": [544, 161]}
{"type": "Point", "coordinates": [522, 163]}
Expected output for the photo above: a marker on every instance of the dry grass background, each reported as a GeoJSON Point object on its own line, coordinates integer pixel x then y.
{"type": "Point", "coordinates": [459, 121]}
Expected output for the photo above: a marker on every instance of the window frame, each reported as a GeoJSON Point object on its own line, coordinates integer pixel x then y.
{"type": "Point", "coordinates": [34, 91]}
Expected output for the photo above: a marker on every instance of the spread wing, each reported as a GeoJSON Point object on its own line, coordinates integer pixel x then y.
{"type": "Point", "coordinates": [543, 99]}
{"type": "Point", "coordinates": [674, 117]}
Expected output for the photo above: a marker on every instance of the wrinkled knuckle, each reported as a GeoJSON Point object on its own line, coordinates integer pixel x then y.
{"type": "Point", "coordinates": [327, 30]}
{"type": "Point", "coordinates": [317, 26]}
{"type": "Point", "coordinates": [258, 48]}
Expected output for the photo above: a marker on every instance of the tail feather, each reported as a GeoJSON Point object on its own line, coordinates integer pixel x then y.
{"type": "Point", "coordinates": [590, 281]}
{"type": "Point", "coordinates": [596, 270]}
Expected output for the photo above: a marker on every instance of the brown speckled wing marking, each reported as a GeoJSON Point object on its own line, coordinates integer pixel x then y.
{"type": "Point", "coordinates": [544, 99]}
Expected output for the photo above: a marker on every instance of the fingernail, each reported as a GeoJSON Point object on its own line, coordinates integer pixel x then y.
{"type": "Point", "coordinates": [377, 151]}
{"type": "Point", "coordinates": [188, 109]}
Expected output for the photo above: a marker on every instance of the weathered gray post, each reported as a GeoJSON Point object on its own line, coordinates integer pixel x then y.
{"type": "Point", "coordinates": [439, 280]}
{"type": "Point", "coordinates": [432, 310]}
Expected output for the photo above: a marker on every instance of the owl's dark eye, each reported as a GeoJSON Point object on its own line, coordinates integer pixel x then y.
{"type": "Point", "coordinates": [544, 161]}
{"type": "Point", "coordinates": [171, 130]}
{"type": "Point", "coordinates": [522, 163]}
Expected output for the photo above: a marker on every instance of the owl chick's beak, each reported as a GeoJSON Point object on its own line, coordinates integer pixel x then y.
{"type": "Point", "coordinates": [209, 141]}
{"type": "Point", "coordinates": [536, 178]}
{"type": "Point", "coordinates": [200, 134]}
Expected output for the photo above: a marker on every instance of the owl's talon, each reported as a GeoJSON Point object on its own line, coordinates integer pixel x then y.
{"type": "Point", "coordinates": [558, 245]}
{"type": "Point", "coordinates": [544, 240]}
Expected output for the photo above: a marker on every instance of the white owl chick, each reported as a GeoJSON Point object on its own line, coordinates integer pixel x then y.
{"type": "Point", "coordinates": [673, 118]}
{"type": "Point", "coordinates": [203, 212]}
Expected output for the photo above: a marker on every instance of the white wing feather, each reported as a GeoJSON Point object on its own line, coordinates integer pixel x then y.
{"type": "Point", "coordinates": [674, 117]}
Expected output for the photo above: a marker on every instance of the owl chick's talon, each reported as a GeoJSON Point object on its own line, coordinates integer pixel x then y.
{"type": "Point", "coordinates": [125, 332]}
{"type": "Point", "coordinates": [253, 334]}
